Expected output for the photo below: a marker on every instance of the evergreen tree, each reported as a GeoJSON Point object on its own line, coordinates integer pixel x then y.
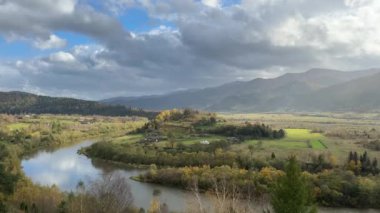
{"type": "Point", "coordinates": [375, 169]}
{"type": "Point", "coordinates": [3, 207]}
{"type": "Point", "coordinates": [281, 133]}
{"type": "Point", "coordinates": [273, 156]}
{"type": "Point", "coordinates": [374, 163]}
{"type": "Point", "coordinates": [355, 158]}
{"type": "Point", "coordinates": [350, 157]}
{"type": "Point", "coordinates": [291, 194]}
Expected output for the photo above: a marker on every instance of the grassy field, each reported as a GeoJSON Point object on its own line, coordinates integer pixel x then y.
{"type": "Point", "coordinates": [128, 139]}
{"type": "Point", "coordinates": [307, 135]}
{"type": "Point", "coordinates": [18, 126]}
{"type": "Point", "coordinates": [339, 133]}
{"type": "Point", "coordinates": [194, 140]}
{"type": "Point", "coordinates": [62, 128]}
{"type": "Point", "coordinates": [322, 121]}
{"type": "Point", "coordinates": [294, 139]}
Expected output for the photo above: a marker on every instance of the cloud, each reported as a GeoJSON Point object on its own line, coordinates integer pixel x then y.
{"type": "Point", "coordinates": [211, 3]}
{"type": "Point", "coordinates": [84, 71]}
{"type": "Point", "coordinates": [53, 42]}
{"type": "Point", "coordinates": [62, 57]}
{"type": "Point", "coordinates": [38, 19]}
{"type": "Point", "coordinates": [191, 43]}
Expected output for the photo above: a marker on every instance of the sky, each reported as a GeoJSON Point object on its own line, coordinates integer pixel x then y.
{"type": "Point", "coordinates": [95, 49]}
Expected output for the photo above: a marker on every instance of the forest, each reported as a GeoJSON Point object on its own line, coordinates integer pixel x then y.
{"type": "Point", "coordinates": [21, 103]}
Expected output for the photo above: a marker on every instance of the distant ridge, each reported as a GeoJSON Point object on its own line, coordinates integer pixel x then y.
{"type": "Point", "coordinates": [21, 102]}
{"type": "Point", "coordinates": [361, 94]}
{"type": "Point", "coordinates": [289, 92]}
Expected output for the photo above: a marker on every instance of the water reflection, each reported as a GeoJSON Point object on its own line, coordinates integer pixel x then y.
{"type": "Point", "coordinates": [62, 167]}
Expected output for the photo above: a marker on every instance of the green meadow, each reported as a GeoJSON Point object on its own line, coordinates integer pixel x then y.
{"type": "Point", "coordinates": [18, 126]}
{"type": "Point", "coordinates": [310, 134]}
{"type": "Point", "coordinates": [294, 139]}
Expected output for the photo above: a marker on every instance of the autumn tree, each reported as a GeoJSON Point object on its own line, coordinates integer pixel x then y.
{"type": "Point", "coordinates": [111, 193]}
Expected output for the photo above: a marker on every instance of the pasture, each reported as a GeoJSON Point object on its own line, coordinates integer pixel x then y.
{"type": "Point", "coordinates": [294, 139]}
{"type": "Point", "coordinates": [309, 134]}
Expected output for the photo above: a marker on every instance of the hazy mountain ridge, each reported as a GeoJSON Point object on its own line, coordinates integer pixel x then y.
{"type": "Point", "coordinates": [361, 94]}
{"type": "Point", "coordinates": [289, 92]}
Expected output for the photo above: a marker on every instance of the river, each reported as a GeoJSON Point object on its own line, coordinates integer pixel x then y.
{"type": "Point", "coordinates": [64, 168]}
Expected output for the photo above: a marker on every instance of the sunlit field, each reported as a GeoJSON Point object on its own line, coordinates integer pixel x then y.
{"type": "Point", "coordinates": [307, 134]}
{"type": "Point", "coordinates": [294, 139]}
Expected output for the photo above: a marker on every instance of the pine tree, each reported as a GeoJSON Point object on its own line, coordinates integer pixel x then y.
{"type": "Point", "coordinates": [3, 207]}
{"type": "Point", "coordinates": [350, 157]}
{"type": "Point", "coordinates": [281, 133]}
{"type": "Point", "coordinates": [355, 158]}
{"type": "Point", "coordinates": [375, 170]}
{"type": "Point", "coordinates": [273, 156]}
{"type": "Point", "coordinates": [291, 194]}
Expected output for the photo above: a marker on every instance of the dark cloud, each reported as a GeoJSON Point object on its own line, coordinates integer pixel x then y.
{"type": "Point", "coordinates": [38, 19]}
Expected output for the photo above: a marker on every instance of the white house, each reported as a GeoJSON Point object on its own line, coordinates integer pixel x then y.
{"type": "Point", "coordinates": [205, 142]}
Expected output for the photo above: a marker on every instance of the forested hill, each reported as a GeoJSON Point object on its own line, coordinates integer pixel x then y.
{"type": "Point", "coordinates": [20, 102]}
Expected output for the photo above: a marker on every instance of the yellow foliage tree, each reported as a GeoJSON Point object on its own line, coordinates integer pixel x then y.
{"type": "Point", "coordinates": [154, 206]}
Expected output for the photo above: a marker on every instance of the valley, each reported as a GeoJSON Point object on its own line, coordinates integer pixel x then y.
{"type": "Point", "coordinates": [189, 106]}
{"type": "Point", "coordinates": [180, 148]}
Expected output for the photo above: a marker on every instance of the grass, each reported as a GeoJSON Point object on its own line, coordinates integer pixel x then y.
{"type": "Point", "coordinates": [318, 144]}
{"type": "Point", "coordinates": [301, 135]}
{"type": "Point", "coordinates": [127, 139]}
{"type": "Point", "coordinates": [321, 121]}
{"type": "Point", "coordinates": [273, 144]}
{"type": "Point", "coordinates": [294, 139]}
{"type": "Point", "coordinates": [18, 126]}
{"type": "Point", "coordinates": [296, 124]}
{"type": "Point", "coordinates": [194, 140]}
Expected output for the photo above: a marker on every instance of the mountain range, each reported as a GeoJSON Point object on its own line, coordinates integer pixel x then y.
{"type": "Point", "coordinates": [313, 90]}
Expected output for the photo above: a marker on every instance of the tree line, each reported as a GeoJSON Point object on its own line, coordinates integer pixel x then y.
{"type": "Point", "coordinates": [25, 103]}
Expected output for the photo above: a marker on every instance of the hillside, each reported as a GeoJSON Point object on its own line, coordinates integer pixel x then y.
{"type": "Point", "coordinates": [20, 102]}
{"type": "Point", "coordinates": [259, 95]}
{"type": "Point", "coordinates": [357, 95]}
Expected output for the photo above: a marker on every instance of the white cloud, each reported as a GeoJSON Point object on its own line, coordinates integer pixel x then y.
{"type": "Point", "coordinates": [348, 32]}
{"type": "Point", "coordinates": [61, 57]}
{"type": "Point", "coordinates": [50, 6]}
{"type": "Point", "coordinates": [357, 3]}
{"type": "Point", "coordinates": [65, 6]}
{"type": "Point", "coordinates": [51, 43]}
{"type": "Point", "coordinates": [211, 3]}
